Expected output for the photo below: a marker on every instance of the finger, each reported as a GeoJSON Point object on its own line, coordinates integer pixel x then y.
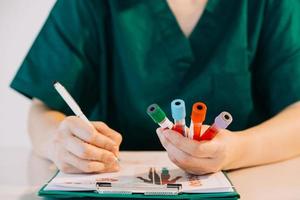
{"type": "Point", "coordinates": [78, 127]}
{"type": "Point", "coordinates": [176, 162]}
{"type": "Point", "coordinates": [203, 166]}
{"type": "Point", "coordinates": [189, 163]}
{"type": "Point", "coordinates": [192, 164]}
{"type": "Point", "coordinates": [67, 168]}
{"type": "Point", "coordinates": [89, 152]}
{"type": "Point", "coordinates": [202, 149]}
{"type": "Point", "coordinates": [87, 133]}
{"type": "Point", "coordinates": [161, 137]}
{"type": "Point", "coordinates": [85, 165]}
{"type": "Point", "coordinates": [108, 132]}
{"type": "Point", "coordinates": [181, 157]}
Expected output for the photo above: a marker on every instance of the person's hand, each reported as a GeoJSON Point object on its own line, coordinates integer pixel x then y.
{"type": "Point", "coordinates": [78, 147]}
{"type": "Point", "coordinates": [201, 157]}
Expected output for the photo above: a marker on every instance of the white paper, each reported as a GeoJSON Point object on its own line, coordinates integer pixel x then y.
{"type": "Point", "coordinates": [147, 170]}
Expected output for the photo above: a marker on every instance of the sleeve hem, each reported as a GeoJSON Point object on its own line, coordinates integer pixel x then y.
{"type": "Point", "coordinates": [52, 99]}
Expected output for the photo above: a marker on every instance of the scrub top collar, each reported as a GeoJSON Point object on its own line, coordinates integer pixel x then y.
{"type": "Point", "coordinates": [178, 47]}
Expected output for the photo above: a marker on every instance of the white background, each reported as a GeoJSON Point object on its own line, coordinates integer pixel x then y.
{"type": "Point", "coordinates": [20, 22]}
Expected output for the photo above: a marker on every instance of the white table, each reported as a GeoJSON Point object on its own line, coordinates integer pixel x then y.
{"type": "Point", "coordinates": [22, 173]}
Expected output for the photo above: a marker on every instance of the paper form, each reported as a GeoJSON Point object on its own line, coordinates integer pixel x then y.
{"type": "Point", "coordinates": [147, 169]}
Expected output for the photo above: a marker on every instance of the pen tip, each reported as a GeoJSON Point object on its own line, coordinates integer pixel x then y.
{"type": "Point", "coordinates": [54, 82]}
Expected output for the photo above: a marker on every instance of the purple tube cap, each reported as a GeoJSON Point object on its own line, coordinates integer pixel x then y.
{"type": "Point", "coordinates": [223, 120]}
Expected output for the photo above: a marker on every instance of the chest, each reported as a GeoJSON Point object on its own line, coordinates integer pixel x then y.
{"type": "Point", "coordinates": [187, 13]}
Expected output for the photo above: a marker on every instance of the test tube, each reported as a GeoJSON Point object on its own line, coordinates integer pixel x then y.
{"type": "Point", "coordinates": [178, 114]}
{"type": "Point", "coordinates": [159, 116]}
{"type": "Point", "coordinates": [197, 118]}
{"type": "Point", "coordinates": [222, 121]}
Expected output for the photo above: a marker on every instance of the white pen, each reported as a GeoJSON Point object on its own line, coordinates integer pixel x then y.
{"type": "Point", "coordinates": [72, 103]}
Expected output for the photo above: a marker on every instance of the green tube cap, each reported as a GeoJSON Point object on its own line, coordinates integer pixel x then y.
{"type": "Point", "coordinates": [156, 113]}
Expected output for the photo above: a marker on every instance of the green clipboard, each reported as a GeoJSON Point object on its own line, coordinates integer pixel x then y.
{"type": "Point", "coordinates": [96, 195]}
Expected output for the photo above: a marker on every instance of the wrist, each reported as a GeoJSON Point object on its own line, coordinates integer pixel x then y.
{"type": "Point", "coordinates": [245, 149]}
{"type": "Point", "coordinates": [239, 146]}
{"type": "Point", "coordinates": [45, 147]}
{"type": "Point", "coordinates": [49, 148]}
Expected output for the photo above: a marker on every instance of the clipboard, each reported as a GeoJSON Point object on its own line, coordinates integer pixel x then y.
{"type": "Point", "coordinates": [174, 193]}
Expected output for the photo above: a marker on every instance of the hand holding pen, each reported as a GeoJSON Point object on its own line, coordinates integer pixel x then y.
{"type": "Point", "coordinates": [84, 146]}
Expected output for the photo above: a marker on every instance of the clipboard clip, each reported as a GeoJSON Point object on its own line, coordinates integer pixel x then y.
{"type": "Point", "coordinates": [163, 190]}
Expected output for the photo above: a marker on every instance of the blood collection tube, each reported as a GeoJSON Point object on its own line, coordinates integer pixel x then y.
{"type": "Point", "coordinates": [197, 118]}
{"type": "Point", "coordinates": [178, 114]}
{"type": "Point", "coordinates": [221, 122]}
{"type": "Point", "coordinates": [159, 116]}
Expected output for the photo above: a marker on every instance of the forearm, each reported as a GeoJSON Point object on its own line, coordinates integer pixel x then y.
{"type": "Point", "coordinates": [274, 140]}
{"type": "Point", "coordinates": [42, 122]}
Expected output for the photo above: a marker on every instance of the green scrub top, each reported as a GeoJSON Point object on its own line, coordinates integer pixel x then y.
{"type": "Point", "coordinates": [117, 57]}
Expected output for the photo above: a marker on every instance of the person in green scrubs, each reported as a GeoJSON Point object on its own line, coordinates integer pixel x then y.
{"type": "Point", "coordinates": [116, 57]}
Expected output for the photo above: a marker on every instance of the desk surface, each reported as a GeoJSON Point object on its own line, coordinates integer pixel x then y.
{"type": "Point", "coordinates": [23, 173]}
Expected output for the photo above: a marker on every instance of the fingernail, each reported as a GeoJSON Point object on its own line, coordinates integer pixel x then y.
{"type": "Point", "coordinates": [158, 131]}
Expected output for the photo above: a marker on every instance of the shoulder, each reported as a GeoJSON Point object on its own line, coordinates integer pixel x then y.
{"type": "Point", "coordinates": [85, 10]}
{"type": "Point", "coordinates": [267, 7]}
